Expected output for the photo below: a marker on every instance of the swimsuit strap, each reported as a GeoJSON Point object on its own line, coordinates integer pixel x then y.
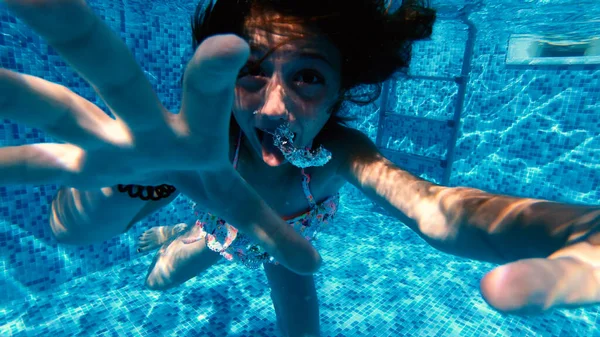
{"type": "Point", "coordinates": [305, 176]}
{"type": "Point", "coordinates": [306, 188]}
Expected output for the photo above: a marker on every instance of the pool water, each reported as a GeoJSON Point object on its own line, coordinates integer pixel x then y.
{"type": "Point", "coordinates": [370, 285]}
{"type": "Point", "coordinates": [462, 117]}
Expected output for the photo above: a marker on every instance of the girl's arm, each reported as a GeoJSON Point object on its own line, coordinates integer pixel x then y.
{"type": "Point", "coordinates": [465, 221]}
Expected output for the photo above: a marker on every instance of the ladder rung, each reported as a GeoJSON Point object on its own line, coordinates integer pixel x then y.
{"type": "Point", "coordinates": [448, 122]}
{"type": "Point", "coordinates": [435, 161]}
{"type": "Point", "coordinates": [455, 79]}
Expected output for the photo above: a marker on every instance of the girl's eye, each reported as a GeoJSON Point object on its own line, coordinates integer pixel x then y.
{"type": "Point", "coordinates": [309, 77]}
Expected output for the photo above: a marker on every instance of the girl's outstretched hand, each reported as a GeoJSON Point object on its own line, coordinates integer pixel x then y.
{"type": "Point", "coordinates": [569, 278]}
{"type": "Point", "coordinates": [144, 143]}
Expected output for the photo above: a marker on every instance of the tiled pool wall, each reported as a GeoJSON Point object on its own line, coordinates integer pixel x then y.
{"type": "Point", "coordinates": [531, 131]}
{"type": "Point", "coordinates": [31, 260]}
{"type": "Point", "coordinates": [524, 130]}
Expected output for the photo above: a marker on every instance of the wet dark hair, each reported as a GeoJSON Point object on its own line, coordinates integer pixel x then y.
{"type": "Point", "coordinates": [374, 42]}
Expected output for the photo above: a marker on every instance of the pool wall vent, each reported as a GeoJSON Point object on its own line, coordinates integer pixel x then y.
{"type": "Point", "coordinates": [536, 50]}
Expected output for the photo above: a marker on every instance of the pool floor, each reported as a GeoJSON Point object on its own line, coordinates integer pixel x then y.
{"type": "Point", "coordinates": [379, 279]}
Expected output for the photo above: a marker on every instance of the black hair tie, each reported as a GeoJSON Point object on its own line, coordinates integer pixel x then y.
{"type": "Point", "coordinates": [147, 192]}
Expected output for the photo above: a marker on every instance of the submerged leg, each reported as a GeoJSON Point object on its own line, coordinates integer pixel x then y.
{"type": "Point", "coordinates": [295, 301]}
{"type": "Point", "coordinates": [157, 236]}
{"type": "Point", "coordinates": [177, 261]}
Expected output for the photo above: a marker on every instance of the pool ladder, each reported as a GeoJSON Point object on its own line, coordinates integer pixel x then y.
{"type": "Point", "coordinates": [442, 165]}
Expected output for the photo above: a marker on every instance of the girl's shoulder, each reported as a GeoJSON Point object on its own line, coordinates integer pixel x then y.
{"type": "Point", "coordinates": [345, 144]}
{"type": "Point", "coordinates": [341, 139]}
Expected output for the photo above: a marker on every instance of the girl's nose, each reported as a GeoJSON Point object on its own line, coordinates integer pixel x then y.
{"type": "Point", "coordinates": [274, 107]}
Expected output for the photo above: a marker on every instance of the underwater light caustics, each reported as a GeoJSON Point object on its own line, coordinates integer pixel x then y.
{"type": "Point", "coordinates": [299, 157]}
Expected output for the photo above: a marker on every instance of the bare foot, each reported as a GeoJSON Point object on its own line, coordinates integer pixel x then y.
{"type": "Point", "coordinates": [177, 261]}
{"type": "Point", "coordinates": [157, 236]}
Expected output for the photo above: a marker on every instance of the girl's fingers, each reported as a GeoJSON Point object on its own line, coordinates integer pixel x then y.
{"type": "Point", "coordinates": [44, 163]}
{"type": "Point", "coordinates": [209, 84]}
{"type": "Point", "coordinates": [97, 54]}
{"type": "Point", "coordinates": [534, 286]}
{"type": "Point", "coordinates": [58, 111]}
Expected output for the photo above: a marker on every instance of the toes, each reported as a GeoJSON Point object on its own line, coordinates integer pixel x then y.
{"type": "Point", "coordinates": [145, 243]}
{"type": "Point", "coordinates": [141, 246]}
{"type": "Point", "coordinates": [143, 249]}
{"type": "Point", "coordinates": [142, 240]}
{"type": "Point", "coordinates": [145, 237]}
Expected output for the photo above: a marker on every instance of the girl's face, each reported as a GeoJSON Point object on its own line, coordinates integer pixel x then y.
{"type": "Point", "coordinates": [297, 84]}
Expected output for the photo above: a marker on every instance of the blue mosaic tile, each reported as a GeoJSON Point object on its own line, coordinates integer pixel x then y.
{"type": "Point", "coordinates": [363, 117]}
{"type": "Point", "coordinates": [442, 55]}
{"type": "Point", "coordinates": [527, 131]}
{"type": "Point", "coordinates": [359, 291]}
{"type": "Point", "coordinates": [422, 97]}
{"type": "Point", "coordinates": [424, 137]}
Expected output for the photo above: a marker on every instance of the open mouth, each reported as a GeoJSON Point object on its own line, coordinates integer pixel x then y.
{"type": "Point", "coordinates": [271, 154]}
{"type": "Point", "coordinates": [278, 147]}
{"type": "Point", "coordinates": [260, 133]}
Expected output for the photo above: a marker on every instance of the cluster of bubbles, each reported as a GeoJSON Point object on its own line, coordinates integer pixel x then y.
{"type": "Point", "coordinates": [299, 157]}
